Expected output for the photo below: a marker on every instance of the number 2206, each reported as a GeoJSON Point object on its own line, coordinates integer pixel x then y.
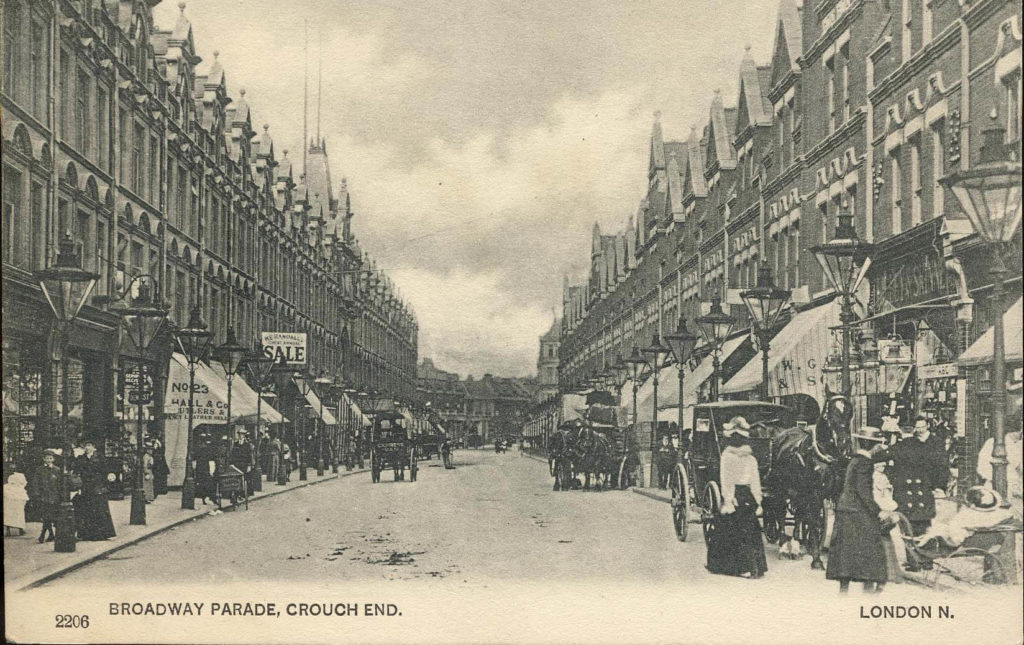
{"type": "Point", "coordinates": [69, 621]}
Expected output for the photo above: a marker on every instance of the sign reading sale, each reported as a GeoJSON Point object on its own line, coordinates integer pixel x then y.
{"type": "Point", "coordinates": [291, 346]}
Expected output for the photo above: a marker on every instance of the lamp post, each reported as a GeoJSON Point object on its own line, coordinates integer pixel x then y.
{"type": "Point", "coordinates": [304, 388]}
{"type": "Point", "coordinates": [230, 356]}
{"type": "Point", "coordinates": [142, 320]}
{"type": "Point", "coordinates": [845, 260]}
{"type": "Point", "coordinates": [681, 342]}
{"type": "Point", "coordinates": [989, 194]}
{"type": "Point", "coordinates": [715, 326]}
{"type": "Point", "coordinates": [193, 341]}
{"type": "Point", "coordinates": [66, 286]}
{"type": "Point", "coordinates": [259, 366]}
{"type": "Point", "coordinates": [636, 364]}
{"type": "Point", "coordinates": [657, 353]}
{"type": "Point", "coordinates": [325, 384]}
{"type": "Point", "coordinates": [349, 443]}
{"type": "Point", "coordinates": [281, 372]}
{"type": "Point", "coordinates": [765, 302]}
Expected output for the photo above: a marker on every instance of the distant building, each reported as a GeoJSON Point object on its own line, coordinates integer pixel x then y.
{"type": "Point", "coordinates": [547, 361]}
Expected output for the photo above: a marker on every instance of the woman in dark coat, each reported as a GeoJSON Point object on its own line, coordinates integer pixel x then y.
{"type": "Point", "coordinates": [856, 551]}
{"type": "Point", "coordinates": [160, 468]}
{"type": "Point", "coordinates": [92, 511]}
{"type": "Point", "coordinates": [735, 546]}
{"type": "Point", "coordinates": [206, 484]}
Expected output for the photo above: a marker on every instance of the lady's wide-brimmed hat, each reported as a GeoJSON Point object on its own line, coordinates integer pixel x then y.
{"type": "Point", "coordinates": [981, 498]}
{"type": "Point", "coordinates": [736, 426]}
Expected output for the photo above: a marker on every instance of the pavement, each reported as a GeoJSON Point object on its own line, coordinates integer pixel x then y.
{"type": "Point", "coordinates": [28, 564]}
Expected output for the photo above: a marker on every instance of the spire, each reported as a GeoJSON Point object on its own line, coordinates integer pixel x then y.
{"type": "Point", "coordinates": [319, 85]}
{"type": "Point", "coordinates": [305, 94]}
{"type": "Point", "coordinates": [657, 157]}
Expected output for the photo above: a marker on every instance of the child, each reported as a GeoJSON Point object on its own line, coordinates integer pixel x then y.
{"type": "Point", "coordinates": [892, 540]}
{"type": "Point", "coordinates": [15, 497]}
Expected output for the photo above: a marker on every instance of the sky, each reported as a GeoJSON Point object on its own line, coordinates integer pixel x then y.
{"type": "Point", "coordinates": [481, 140]}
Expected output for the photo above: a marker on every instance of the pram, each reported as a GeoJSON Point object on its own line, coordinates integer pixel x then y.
{"type": "Point", "coordinates": [985, 556]}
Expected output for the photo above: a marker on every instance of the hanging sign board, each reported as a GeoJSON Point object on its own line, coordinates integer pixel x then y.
{"type": "Point", "coordinates": [288, 345]}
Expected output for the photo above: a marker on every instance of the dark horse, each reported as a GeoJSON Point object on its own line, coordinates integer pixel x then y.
{"type": "Point", "coordinates": [808, 464]}
{"type": "Point", "coordinates": [595, 455]}
{"type": "Point", "coordinates": [561, 457]}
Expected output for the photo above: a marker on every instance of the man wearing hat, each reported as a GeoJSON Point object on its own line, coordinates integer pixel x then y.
{"type": "Point", "coordinates": [919, 468]}
{"type": "Point", "coordinates": [44, 490]}
{"type": "Point", "coordinates": [856, 551]}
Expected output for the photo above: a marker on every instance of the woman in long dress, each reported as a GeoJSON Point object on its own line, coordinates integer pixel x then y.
{"type": "Point", "coordinates": [92, 511]}
{"type": "Point", "coordinates": [857, 552]}
{"type": "Point", "coordinates": [147, 475]}
{"type": "Point", "coordinates": [735, 546]}
{"type": "Point", "coordinates": [892, 541]}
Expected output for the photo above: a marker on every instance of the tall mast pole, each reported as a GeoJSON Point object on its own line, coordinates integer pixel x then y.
{"type": "Point", "coordinates": [305, 96]}
{"type": "Point", "coordinates": [319, 84]}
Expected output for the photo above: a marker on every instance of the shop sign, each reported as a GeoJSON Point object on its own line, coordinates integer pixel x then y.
{"type": "Point", "coordinates": [901, 282]}
{"type": "Point", "coordinates": [290, 346]}
{"type": "Point", "coordinates": [944, 370]}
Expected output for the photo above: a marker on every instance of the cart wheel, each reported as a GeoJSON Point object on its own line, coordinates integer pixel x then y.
{"type": "Point", "coordinates": [624, 473]}
{"type": "Point", "coordinates": [552, 466]}
{"type": "Point", "coordinates": [680, 483]}
{"type": "Point", "coordinates": [710, 510]}
{"type": "Point", "coordinates": [413, 467]}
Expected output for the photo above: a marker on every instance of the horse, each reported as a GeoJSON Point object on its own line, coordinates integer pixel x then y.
{"type": "Point", "coordinates": [808, 465]}
{"type": "Point", "coordinates": [560, 458]}
{"type": "Point", "coordinates": [595, 455]}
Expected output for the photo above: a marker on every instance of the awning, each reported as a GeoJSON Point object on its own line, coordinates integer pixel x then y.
{"type": "Point", "coordinates": [668, 388]}
{"type": "Point", "coordinates": [980, 352]}
{"type": "Point", "coordinates": [314, 401]}
{"type": "Point", "coordinates": [357, 414]}
{"type": "Point", "coordinates": [243, 400]}
{"type": "Point", "coordinates": [795, 357]}
{"type": "Point", "coordinates": [209, 406]}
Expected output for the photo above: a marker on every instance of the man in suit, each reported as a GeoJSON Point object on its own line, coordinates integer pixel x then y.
{"type": "Point", "coordinates": [919, 469]}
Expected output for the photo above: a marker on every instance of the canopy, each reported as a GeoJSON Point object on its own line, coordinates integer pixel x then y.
{"type": "Point", "coordinates": [668, 388]}
{"type": "Point", "coordinates": [361, 418]}
{"type": "Point", "coordinates": [795, 356]}
{"type": "Point", "coordinates": [244, 399]}
{"type": "Point", "coordinates": [980, 352]}
{"type": "Point", "coordinates": [314, 401]}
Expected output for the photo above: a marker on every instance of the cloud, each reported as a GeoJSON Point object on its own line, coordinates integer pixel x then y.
{"type": "Point", "coordinates": [482, 139]}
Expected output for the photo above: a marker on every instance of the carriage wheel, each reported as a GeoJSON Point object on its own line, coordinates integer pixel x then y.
{"type": "Point", "coordinates": [709, 512]}
{"type": "Point", "coordinates": [680, 482]}
{"type": "Point", "coordinates": [413, 467]}
{"type": "Point", "coordinates": [552, 466]}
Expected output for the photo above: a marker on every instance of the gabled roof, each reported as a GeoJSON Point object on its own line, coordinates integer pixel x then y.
{"type": "Point", "coordinates": [753, 105]}
{"type": "Point", "coordinates": [788, 40]}
{"type": "Point", "coordinates": [693, 173]}
{"type": "Point", "coordinates": [720, 133]}
{"type": "Point", "coordinates": [554, 334]}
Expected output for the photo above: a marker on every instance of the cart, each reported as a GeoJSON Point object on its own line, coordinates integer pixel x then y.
{"type": "Point", "coordinates": [985, 557]}
{"type": "Point", "coordinates": [231, 484]}
{"type": "Point", "coordinates": [695, 481]}
{"type": "Point", "coordinates": [392, 446]}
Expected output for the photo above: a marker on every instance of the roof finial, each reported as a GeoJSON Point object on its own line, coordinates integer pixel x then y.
{"type": "Point", "coordinates": [746, 48]}
{"type": "Point", "coordinates": [216, 53]}
{"type": "Point", "coordinates": [285, 152]}
{"type": "Point", "coordinates": [242, 92]}
{"type": "Point", "coordinates": [266, 126]}
{"type": "Point", "coordinates": [181, 7]}
{"type": "Point", "coordinates": [657, 116]}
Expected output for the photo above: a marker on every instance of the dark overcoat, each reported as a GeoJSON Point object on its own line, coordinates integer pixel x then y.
{"type": "Point", "coordinates": [856, 551]}
{"type": "Point", "coordinates": [917, 469]}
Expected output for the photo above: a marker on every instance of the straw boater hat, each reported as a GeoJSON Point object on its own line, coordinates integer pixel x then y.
{"type": "Point", "coordinates": [981, 498]}
{"type": "Point", "coordinates": [736, 425]}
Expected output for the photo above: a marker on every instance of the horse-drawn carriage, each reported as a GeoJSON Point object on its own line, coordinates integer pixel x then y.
{"type": "Point", "coordinates": [595, 447]}
{"type": "Point", "coordinates": [392, 446]}
{"type": "Point", "coordinates": [800, 466]}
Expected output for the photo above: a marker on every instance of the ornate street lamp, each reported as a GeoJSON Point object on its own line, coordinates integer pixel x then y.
{"type": "Point", "coordinates": [715, 326]}
{"type": "Point", "coordinates": [193, 341]}
{"type": "Point", "coordinates": [325, 384]}
{"type": "Point", "coordinates": [66, 286]}
{"type": "Point", "coordinates": [230, 355]}
{"type": "Point", "coordinates": [636, 363]}
{"type": "Point", "coordinates": [681, 342]}
{"type": "Point", "coordinates": [259, 366]}
{"type": "Point", "coordinates": [657, 354]}
{"type": "Point", "coordinates": [281, 372]}
{"type": "Point", "coordinates": [143, 319]}
{"type": "Point", "coordinates": [989, 194]}
{"type": "Point", "coordinates": [304, 389]}
{"type": "Point", "coordinates": [845, 260]}
{"type": "Point", "coordinates": [765, 303]}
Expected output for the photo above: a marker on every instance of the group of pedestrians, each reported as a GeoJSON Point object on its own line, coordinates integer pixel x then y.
{"type": "Point", "coordinates": [881, 483]}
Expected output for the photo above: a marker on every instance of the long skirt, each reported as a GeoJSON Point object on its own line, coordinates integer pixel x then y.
{"type": "Point", "coordinates": [735, 546]}
{"type": "Point", "coordinates": [273, 461]}
{"type": "Point", "coordinates": [92, 517]}
{"type": "Point", "coordinates": [857, 551]}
